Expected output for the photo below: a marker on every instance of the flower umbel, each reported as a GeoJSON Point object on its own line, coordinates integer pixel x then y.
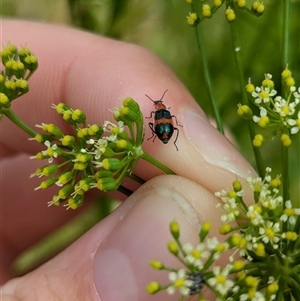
{"type": "Point", "coordinates": [267, 241]}
{"type": "Point", "coordinates": [94, 156]}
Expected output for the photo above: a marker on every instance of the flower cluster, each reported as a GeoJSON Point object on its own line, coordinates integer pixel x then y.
{"type": "Point", "coordinates": [265, 249]}
{"type": "Point", "coordinates": [209, 8]}
{"type": "Point", "coordinates": [93, 156]}
{"type": "Point", "coordinates": [19, 65]}
{"type": "Point", "coordinates": [281, 113]}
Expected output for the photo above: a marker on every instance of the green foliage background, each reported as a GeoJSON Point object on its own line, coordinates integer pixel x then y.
{"type": "Point", "coordinates": [161, 27]}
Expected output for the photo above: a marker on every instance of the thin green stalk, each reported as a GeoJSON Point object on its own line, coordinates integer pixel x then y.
{"type": "Point", "coordinates": [153, 161]}
{"type": "Point", "coordinates": [285, 33]}
{"type": "Point", "coordinates": [207, 79]}
{"type": "Point", "coordinates": [21, 124]}
{"type": "Point", "coordinates": [239, 64]}
{"type": "Point", "coordinates": [285, 173]}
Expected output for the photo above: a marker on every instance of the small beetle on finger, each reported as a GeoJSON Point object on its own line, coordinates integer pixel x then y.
{"type": "Point", "coordinates": [163, 126]}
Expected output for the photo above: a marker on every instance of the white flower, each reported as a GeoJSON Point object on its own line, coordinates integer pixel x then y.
{"type": "Point", "coordinates": [196, 254]}
{"type": "Point", "coordinates": [263, 94]}
{"type": "Point", "coordinates": [179, 282]}
{"type": "Point", "coordinates": [51, 151]}
{"type": "Point", "coordinates": [269, 232]}
{"type": "Point", "coordinates": [263, 112]}
{"type": "Point", "coordinates": [289, 213]}
{"type": "Point", "coordinates": [283, 107]}
{"type": "Point", "coordinates": [295, 123]}
{"type": "Point", "coordinates": [220, 281]}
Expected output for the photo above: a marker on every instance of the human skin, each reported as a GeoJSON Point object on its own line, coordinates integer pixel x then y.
{"type": "Point", "coordinates": [109, 262]}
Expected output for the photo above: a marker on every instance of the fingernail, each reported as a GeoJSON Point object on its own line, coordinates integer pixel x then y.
{"type": "Point", "coordinates": [214, 148]}
{"type": "Point", "coordinates": [121, 263]}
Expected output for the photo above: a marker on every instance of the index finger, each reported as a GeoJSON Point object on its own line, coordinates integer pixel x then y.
{"type": "Point", "coordinates": [92, 73]}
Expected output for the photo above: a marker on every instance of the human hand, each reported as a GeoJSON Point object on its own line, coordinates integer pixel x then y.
{"type": "Point", "coordinates": [110, 262]}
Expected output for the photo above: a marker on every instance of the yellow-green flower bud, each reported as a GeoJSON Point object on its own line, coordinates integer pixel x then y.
{"type": "Point", "coordinates": [272, 288]}
{"type": "Point", "coordinates": [264, 121]}
{"type": "Point", "coordinates": [192, 19]}
{"type": "Point", "coordinates": [22, 85]}
{"type": "Point", "coordinates": [129, 114]}
{"type": "Point", "coordinates": [286, 73]}
{"type": "Point", "coordinates": [103, 174]}
{"type": "Point", "coordinates": [68, 140]}
{"type": "Point", "coordinates": [61, 108]}
{"type": "Point", "coordinates": [107, 184]}
{"type": "Point", "coordinates": [290, 81]}
{"type": "Point", "coordinates": [225, 229]}
{"type": "Point", "coordinates": [205, 228]}
{"type": "Point", "coordinates": [47, 183]}
{"type": "Point", "coordinates": [56, 201]}
{"type": "Point", "coordinates": [123, 144]}
{"type": "Point", "coordinates": [65, 177]}
{"type": "Point", "coordinates": [83, 185]}
{"type": "Point", "coordinates": [54, 130]}
{"type": "Point", "coordinates": [250, 87]}
{"type": "Point", "coordinates": [237, 185]}
{"type": "Point", "coordinates": [260, 250]}
{"type": "Point", "coordinates": [258, 140]}
{"type": "Point", "coordinates": [50, 170]}
{"type": "Point", "coordinates": [221, 247]}
{"type": "Point", "coordinates": [244, 112]}
{"type": "Point", "coordinates": [173, 248]}
{"type": "Point", "coordinates": [230, 14]}
{"type": "Point", "coordinates": [218, 3]}
{"type": "Point", "coordinates": [174, 229]}
{"type": "Point", "coordinates": [241, 3]}
{"type": "Point", "coordinates": [112, 164]}
{"type": "Point", "coordinates": [75, 202]}
{"type": "Point", "coordinates": [8, 52]}
{"type": "Point", "coordinates": [153, 287]}
{"type": "Point", "coordinates": [238, 265]}
{"type": "Point", "coordinates": [206, 10]}
{"type": "Point", "coordinates": [67, 116]}
{"type": "Point", "coordinates": [94, 130]}
{"type": "Point", "coordinates": [290, 235]}
{"type": "Point", "coordinates": [267, 82]}
{"type": "Point", "coordinates": [83, 157]}
{"type": "Point", "coordinates": [24, 51]}
{"type": "Point", "coordinates": [258, 8]}
{"type": "Point", "coordinates": [80, 165]}
{"type": "Point", "coordinates": [78, 116]}
{"type": "Point", "coordinates": [82, 133]}
{"type": "Point", "coordinates": [132, 104]}
{"type": "Point", "coordinates": [285, 139]}
{"type": "Point", "coordinates": [30, 62]}
{"type": "Point", "coordinates": [275, 182]}
{"type": "Point", "coordinates": [251, 281]}
{"type": "Point", "coordinates": [3, 99]}
{"type": "Point", "coordinates": [189, 1]}
{"type": "Point", "coordinates": [156, 264]}
{"type": "Point", "coordinates": [65, 191]}
{"type": "Point", "coordinates": [41, 156]}
{"type": "Point", "coordinates": [16, 68]}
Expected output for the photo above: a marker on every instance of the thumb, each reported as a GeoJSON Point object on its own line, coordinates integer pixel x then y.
{"type": "Point", "coordinates": [111, 261]}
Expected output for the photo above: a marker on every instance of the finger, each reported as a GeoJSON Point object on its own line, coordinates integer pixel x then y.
{"type": "Point", "coordinates": [91, 73]}
{"type": "Point", "coordinates": [110, 262]}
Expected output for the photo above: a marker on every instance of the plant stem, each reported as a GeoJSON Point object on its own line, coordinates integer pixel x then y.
{"type": "Point", "coordinates": [207, 79]}
{"type": "Point", "coordinates": [239, 64]}
{"type": "Point", "coordinates": [21, 124]}
{"type": "Point", "coordinates": [153, 161]}
{"type": "Point", "coordinates": [285, 33]}
{"type": "Point", "coordinates": [285, 173]}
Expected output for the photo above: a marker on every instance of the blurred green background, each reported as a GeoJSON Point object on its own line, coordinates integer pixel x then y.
{"type": "Point", "coordinates": [161, 27]}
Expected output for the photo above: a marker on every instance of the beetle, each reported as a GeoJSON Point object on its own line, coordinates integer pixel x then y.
{"type": "Point", "coordinates": [163, 126]}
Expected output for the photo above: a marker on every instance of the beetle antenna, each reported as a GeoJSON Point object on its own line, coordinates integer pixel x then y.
{"type": "Point", "coordinates": [163, 95]}
{"type": "Point", "coordinates": [156, 101]}
{"type": "Point", "coordinates": [150, 98]}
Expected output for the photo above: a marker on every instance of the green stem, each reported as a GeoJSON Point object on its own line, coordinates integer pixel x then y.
{"type": "Point", "coordinates": [240, 69]}
{"type": "Point", "coordinates": [21, 124]}
{"type": "Point", "coordinates": [153, 161]}
{"type": "Point", "coordinates": [207, 79]}
{"type": "Point", "coordinates": [285, 173]}
{"type": "Point", "coordinates": [285, 33]}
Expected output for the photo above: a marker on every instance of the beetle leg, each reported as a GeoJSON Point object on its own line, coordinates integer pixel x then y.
{"type": "Point", "coordinates": [173, 116]}
{"type": "Point", "coordinates": [153, 132]}
{"type": "Point", "coordinates": [153, 112]}
{"type": "Point", "coordinates": [176, 129]}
